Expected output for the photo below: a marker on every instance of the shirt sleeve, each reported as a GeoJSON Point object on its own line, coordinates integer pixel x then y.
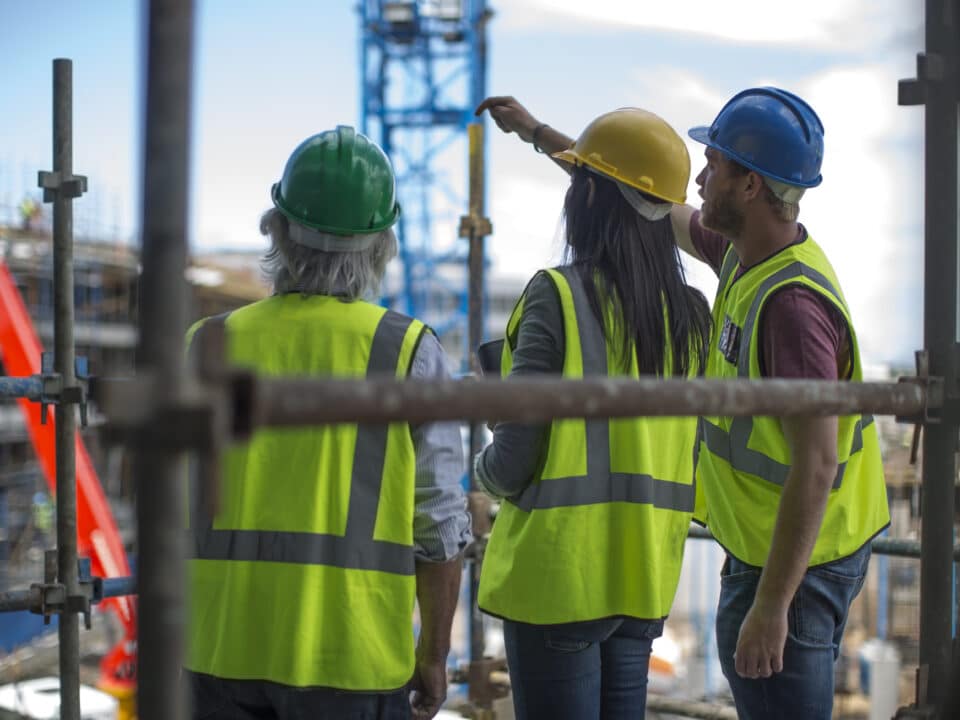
{"type": "Point", "coordinates": [710, 245]}
{"type": "Point", "coordinates": [803, 336]}
{"type": "Point", "coordinates": [506, 466]}
{"type": "Point", "coordinates": [441, 524]}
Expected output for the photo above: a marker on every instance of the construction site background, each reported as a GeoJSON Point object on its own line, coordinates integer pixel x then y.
{"type": "Point", "coordinates": [106, 291]}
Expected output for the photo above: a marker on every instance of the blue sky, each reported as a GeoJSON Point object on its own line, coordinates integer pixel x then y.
{"type": "Point", "coordinates": [269, 74]}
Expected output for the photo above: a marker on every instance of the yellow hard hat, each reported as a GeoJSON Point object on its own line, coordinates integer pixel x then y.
{"type": "Point", "coordinates": [637, 148]}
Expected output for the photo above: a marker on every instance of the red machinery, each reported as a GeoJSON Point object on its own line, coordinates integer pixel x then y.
{"type": "Point", "coordinates": [97, 534]}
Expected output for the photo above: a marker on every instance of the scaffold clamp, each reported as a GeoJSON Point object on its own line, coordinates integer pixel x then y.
{"type": "Point", "coordinates": [51, 598]}
{"type": "Point", "coordinates": [56, 183]}
{"type": "Point", "coordinates": [52, 391]}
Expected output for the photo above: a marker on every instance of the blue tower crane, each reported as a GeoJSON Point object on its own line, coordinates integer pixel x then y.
{"type": "Point", "coordinates": [423, 71]}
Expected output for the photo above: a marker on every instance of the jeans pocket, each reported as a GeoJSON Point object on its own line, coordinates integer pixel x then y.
{"type": "Point", "coordinates": [819, 609]}
{"type": "Point", "coordinates": [561, 643]}
{"type": "Point", "coordinates": [742, 577]}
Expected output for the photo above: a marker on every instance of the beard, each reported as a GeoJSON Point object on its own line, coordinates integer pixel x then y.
{"type": "Point", "coordinates": [721, 215]}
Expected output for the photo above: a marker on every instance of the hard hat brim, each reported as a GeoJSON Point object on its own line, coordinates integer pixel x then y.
{"type": "Point", "coordinates": [701, 134]}
{"type": "Point", "coordinates": [571, 156]}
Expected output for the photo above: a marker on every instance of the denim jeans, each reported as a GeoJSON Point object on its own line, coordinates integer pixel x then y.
{"type": "Point", "coordinates": [816, 619]}
{"type": "Point", "coordinates": [580, 671]}
{"type": "Point", "coordinates": [214, 698]}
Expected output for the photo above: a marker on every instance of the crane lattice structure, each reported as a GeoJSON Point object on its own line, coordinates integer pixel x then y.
{"type": "Point", "coordinates": [423, 71]}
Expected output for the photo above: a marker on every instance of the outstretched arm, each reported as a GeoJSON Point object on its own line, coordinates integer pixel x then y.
{"type": "Point", "coordinates": [510, 116]}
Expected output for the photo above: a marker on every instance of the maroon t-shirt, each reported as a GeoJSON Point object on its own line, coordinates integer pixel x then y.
{"type": "Point", "coordinates": [801, 334]}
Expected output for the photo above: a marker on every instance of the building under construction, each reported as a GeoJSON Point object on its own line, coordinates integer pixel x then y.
{"type": "Point", "coordinates": [114, 316]}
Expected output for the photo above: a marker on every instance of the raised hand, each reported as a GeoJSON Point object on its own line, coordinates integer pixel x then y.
{"type": "Point", "coordinates": [509, 115]}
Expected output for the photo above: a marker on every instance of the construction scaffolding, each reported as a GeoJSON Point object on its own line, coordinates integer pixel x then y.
{"type": "Point", "coordinates": [170, 410]}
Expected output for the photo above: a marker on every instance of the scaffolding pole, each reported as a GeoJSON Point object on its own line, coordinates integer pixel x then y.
{"type": "Point", "coordinates": [163, 316]}
{"type": "Point", "coordinates": [936, 87]}
{"type": "Point", "coordinates": [61, 187]}
{"type": "Point", "coordinates": [290, 402]}
{"type": "Point", "coordinates": [475, 226]}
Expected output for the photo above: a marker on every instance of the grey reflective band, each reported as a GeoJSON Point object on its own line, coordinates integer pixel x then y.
{"type": "Point", "coordinates": [621, 487]}
{"type": "Point", "coordinates": [730, 262]}
{"type": "Point", "coordinates": [733, 446]}
{"type": "Point", "coordinates": [356, 549]}
{"type": "Point", "coordinates": [600, 485]}
{"type": "Point", "coordinates": [793, 270]}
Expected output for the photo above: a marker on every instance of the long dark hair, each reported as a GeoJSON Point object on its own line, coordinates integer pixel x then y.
{"type": "Point", "coordinates": [638, 265]}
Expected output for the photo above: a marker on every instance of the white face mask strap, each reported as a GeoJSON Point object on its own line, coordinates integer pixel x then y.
{"type": "Point", "coordinates": [790, 194]}
{"type": "Point", "coordinates": [652, 211]}
{"type": "Point", "coordinates": [328, 242]}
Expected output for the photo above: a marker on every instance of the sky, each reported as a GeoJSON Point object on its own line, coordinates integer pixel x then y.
{"type": "Point", "coordinates": [268, 75]}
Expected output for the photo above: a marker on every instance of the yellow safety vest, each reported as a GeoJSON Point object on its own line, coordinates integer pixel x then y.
{"type": "Point", "coordinates": [306, 575]}
{"type": "Point", "coordinates": [600, 530]}
{"type": "Point", "coordinates": [744, 461]}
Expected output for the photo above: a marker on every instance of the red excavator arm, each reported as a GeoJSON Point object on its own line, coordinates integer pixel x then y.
{"type": "Point", "coordinates": [97, 534]}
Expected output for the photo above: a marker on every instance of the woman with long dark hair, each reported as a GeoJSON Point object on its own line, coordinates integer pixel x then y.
{"type": "Point", "coordinates": [584, 558]}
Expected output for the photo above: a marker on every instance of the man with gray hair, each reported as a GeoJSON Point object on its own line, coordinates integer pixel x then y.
{"type": "Point", "coordinates": [303, 584]}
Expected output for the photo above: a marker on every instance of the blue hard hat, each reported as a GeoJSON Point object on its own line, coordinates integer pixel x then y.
{"type": "Point", "coordinates": [770, 131]}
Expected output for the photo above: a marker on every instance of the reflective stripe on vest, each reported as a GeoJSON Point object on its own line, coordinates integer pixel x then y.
{"type": "Point", "coordinates": [598, 532]}
{"type": "Point", "coordinates": [745, 462]}
{"type": "Point", "coordinates": [733, 446]}
{"type": "Point", "coordinates": [622, 487]}
{"type": "Point", "coordinates": [356, 548]}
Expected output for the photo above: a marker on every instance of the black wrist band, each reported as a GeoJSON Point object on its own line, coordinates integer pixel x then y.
{"type": "Point", "coordinates": [536, 131]}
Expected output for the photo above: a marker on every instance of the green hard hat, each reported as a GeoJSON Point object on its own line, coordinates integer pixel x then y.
{"type": "Point", "coordinates": [340, 182]}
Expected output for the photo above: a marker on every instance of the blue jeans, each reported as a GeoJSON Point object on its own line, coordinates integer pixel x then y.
{"type": "Point", "coordinates": [816, 619]}
{"type": "Point", "coordinates": [215, 698]}
{"type": "Point", "coordinates": [580, 671]}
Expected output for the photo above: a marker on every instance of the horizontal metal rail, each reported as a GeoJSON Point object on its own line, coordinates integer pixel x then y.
{"type": "Point", "coordinates": [285, 402]}
{"type": "Point", "coordinates": [21, 387]}
{"type": "Point", "coordinates": [690, 709]}
{"type": "Point", "coordinates": [17, 600]}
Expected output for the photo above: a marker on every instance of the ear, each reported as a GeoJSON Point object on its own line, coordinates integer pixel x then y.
{"type": "Point", "coordinates": [752, 186]}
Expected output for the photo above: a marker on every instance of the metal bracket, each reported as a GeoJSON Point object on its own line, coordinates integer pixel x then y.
{"type": "Point", "coordinates": [52, 391]}
{"type": "Point", "coordinates": [56, 184]}
{"type": "Point", "coordinates": [931, 68]}
{"type": "Point", "coordinates": [471, 225]}
{"type": "Point", "coordinates": [51, 596]}
{"type": "Point", "coordinates": [932, 412]}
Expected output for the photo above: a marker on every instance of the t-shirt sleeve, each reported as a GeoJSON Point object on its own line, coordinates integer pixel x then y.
{"type": "Point", "coordinates": [803, 336]}
{"type": "Point", "coordinates": [711, 246]}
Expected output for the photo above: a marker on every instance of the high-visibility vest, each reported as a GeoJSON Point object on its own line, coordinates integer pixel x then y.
{"type": "Point", "coordinates": [744, 461]}
{"type": "Point", "coordinates": [306, 574]}
{"type": "Point", "coordinates": [599, 532]}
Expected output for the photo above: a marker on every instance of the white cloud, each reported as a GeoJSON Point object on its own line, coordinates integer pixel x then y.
{"type": "Point", "coordinates": [526, 216]}
{"type": "Point", "coordinates": [862, 212]}
{"type": "Point", "coordinates": [845, 25]}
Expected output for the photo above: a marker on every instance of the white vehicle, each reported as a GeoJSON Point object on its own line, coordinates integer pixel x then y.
{"type": "Point", "coordinates": [39, 699]}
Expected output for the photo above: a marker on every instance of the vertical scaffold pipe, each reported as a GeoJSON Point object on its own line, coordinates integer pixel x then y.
{"type": "Point", "coordinates": [66, 423]}
{"type": "Point", "coordinates": [475, 337]}
{"type": "Point", "coordinates": [163, 317]}
{"type": "Point", "coordinates": [940, 339]}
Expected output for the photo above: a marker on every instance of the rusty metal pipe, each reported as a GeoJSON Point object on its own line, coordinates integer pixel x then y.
{"type": "Point", "coordinates": [286, 402]}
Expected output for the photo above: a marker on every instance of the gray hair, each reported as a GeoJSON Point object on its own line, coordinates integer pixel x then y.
{"type": "Point", "coordinates": [291, 267]}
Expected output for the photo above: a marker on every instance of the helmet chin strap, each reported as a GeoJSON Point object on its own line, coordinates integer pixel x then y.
{"type": "Point", "coordinates": [652, 211]}
{"type": "Point", "coordinates": [328, 242]}
{"type": "Point", "coordinates": [790, 194]}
